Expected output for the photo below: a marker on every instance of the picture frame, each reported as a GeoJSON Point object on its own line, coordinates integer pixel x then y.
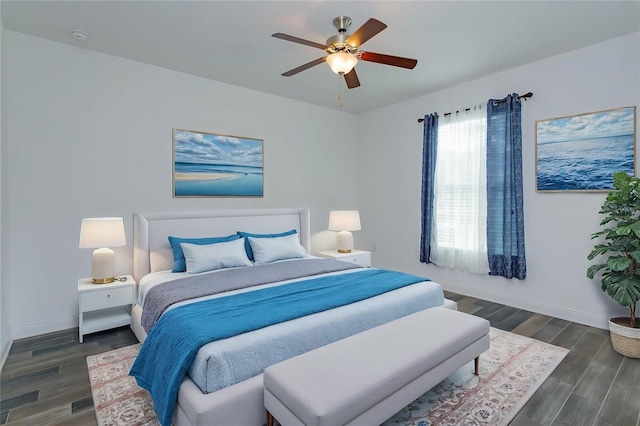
{"type": "Point", "coordinates": [582, 152]}
{"type": "Point", "coordinates": [216, 165]}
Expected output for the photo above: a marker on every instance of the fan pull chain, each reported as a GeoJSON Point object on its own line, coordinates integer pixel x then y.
{"type": "Point", "coordinates": [340, 99]}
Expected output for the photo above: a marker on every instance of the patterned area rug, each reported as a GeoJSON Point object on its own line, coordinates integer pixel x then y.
{"type": "Point", "coordinates": [117, 398]}
{"type": "Point", "coordinates": [510, 372]}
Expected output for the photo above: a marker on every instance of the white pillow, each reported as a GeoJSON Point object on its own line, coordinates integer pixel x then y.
{"type": "Point", "coordinates": [161, 259]}
{"type": "Point", "coordinates": [267, 250]}
{"type": "Point", "coordinates": [209, 257]}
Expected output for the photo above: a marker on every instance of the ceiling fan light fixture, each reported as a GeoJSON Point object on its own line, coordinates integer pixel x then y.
{"type": "Point", "coordinates": [341, 63]}
{"type": "Point", "coordinates": [343, 50]}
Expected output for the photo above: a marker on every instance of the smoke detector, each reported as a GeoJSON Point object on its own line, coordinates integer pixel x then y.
{"type": "Point", "coordinates": [79, 35]}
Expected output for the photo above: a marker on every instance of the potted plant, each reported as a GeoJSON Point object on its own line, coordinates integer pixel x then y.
{"type": "Point", "coordinates": [621, 272]}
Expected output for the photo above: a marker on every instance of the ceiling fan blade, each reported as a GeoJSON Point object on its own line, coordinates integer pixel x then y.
{"type": "Point", "coordinates": [394, 61]}
{"type": "Point", "coordinates": [365, 32]}
{"type": "Point", "coordinates": [303, 67]}
{"type": "Point", "coordinates": [351, 78]}
{"type": "Point", "coordinates": [298, 40]}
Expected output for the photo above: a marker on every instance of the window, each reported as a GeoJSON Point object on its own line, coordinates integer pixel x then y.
{"type": "Point", "coordinates": [472, 196]}
{"type": "Point", "coordinates": [458, 238]}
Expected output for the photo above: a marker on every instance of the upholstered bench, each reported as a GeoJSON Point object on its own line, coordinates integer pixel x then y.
{"type": "Point", "coordinates": [366, 378]}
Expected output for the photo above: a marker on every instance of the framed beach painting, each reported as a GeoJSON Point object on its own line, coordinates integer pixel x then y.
{"type": "Point", "coordinates": [582, 152]}
{"type": "Point", "coordinates": [214, 165]}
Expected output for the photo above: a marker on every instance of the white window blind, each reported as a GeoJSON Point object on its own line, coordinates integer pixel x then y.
{"type": "Point", "coordinates": [458, 239]}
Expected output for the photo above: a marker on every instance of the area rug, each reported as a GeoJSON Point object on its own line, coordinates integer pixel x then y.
{"type": "Point", "coordinates": [510, 372]}
{"type": "Point", "coordinates": [117, 398]}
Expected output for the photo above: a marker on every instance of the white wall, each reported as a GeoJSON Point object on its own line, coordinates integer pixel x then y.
{"type": "Point", "coordinates": [90, 135]}
{"type": "Point", "coordinates": [5, 321]}
{"type": "Point", "coordinates": [557, 225]}
{"type": "Point", "coordinates": [86, 134]}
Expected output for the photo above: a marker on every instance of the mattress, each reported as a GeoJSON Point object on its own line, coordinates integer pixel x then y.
{"type": "Point", "coordinates": [225, 362]}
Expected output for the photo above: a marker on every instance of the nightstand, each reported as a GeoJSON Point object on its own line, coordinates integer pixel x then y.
{"type": "Point", "coordinates": [359, 257]}
{"type": "Point", "coordinates": [105, 306]}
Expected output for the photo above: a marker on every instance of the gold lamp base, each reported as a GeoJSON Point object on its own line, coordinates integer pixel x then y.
{"type": "Point", "coordinates": [103, 280]}
{"type": "Point", "coordinates": [344, 251]}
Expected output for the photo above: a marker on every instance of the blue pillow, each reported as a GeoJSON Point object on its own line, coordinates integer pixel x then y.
{"type": "Point", "coordinates": [179, 264]}
{"type": "Point", "coordinates": [246, 236]}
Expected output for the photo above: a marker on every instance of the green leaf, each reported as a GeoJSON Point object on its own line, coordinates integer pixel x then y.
{"type": "Point", "coordinates": [636, 255]}
{"type": "Point", "coordinates": [609, 278]}
{"type": "Point", "coordinates": [603, 232]}
{"type": "Point", "coordinates": [635, 228]}
{"type": "Point", "coordinates": [625, 291]}
{"type": "Point", "coordinates": [598, 250]}
{"type": "Point", "coordinates": [593, 270]}
{"type": "Point", "coordinates": [623, 230]}
{"type": "Point", "coordinates": [613, 235]}
{"type": "Point", "coordinates": [621, 180]}
{"type": "Point", "coordinates": [606, 219]}
{"type": "Point", "coordinates": [618, 263]}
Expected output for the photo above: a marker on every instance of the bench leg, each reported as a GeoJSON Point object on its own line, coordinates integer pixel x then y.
{"type": "Point", "coordinates": [476, 364]}
{"type": "Point", "coordinates": [269, 418]}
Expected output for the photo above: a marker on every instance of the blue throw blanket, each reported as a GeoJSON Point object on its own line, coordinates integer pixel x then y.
{"type": "Point", "coordinates": [173, 342]}
{"type": "Point", "coordinates": [162, 296]}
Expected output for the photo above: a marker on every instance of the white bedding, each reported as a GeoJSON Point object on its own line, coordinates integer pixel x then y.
{"type": "Point", "coordinates": [225, 362]}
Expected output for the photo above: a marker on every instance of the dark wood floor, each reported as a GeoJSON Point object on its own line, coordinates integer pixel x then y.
{"type": "Point", "coordinates": [45, 379]}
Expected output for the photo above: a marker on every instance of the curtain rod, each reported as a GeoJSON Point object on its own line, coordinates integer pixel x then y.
{"type": "Point", "coordinates": [525, 96]}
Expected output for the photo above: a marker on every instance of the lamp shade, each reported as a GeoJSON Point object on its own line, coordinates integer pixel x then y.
{"type": "Point", "coordinates": [344, 220]}
{"type": "Point", "coordinates": [341, 63]}
{"type": "Point", "coordinates": [99, 232]}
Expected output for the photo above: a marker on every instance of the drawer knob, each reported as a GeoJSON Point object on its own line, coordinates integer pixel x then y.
{"type": "Point", "coordinates": [108, 295]}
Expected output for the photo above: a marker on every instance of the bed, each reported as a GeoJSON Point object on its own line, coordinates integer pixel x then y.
{"type": "Point", "coordinates": [241, 403]}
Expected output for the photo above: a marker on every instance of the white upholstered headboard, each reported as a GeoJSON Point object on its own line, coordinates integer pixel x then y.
{"type": "Point", "coordinates": [150, 231]}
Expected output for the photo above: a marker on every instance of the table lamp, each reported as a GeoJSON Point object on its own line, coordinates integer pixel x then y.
{"type": "Point", "coordinates": [101, 233]}
{"type": "Point", "coordinates": [344, 221]}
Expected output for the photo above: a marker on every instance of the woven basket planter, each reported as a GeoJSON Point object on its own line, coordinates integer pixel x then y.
{"type": "Point", "coordinates": [625, 340]}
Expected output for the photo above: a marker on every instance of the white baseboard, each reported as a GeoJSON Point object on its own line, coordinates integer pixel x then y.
{"type": "Point", "coordinates": [540, 308]}
{"type": "Point", "coordinates": [5, 352]}
{"type": "Point", "coordinates": [44, 327]}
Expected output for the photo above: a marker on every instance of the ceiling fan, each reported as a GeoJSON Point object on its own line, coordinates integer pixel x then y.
{"type": "Point", "coordinates": [343, 53]}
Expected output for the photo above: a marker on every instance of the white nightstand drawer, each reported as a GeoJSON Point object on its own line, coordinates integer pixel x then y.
{"type": "Point", "coordinates": [359, 257]}
{"type": "Point", "coordinates": [363, 259]}
{"type": "Point", "coordinates": [107, 298]}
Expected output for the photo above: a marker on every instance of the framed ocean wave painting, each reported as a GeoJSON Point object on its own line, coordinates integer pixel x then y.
{"type": "Point", "coordinates": [582, 152]}
{"type": "Point", "coordinates": [215, 165]}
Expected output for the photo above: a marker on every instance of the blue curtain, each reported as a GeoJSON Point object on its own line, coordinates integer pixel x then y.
{"type": "Point", "coordinates": [505, 212]}
{"type": "Point", "coordinates": [429, 150]}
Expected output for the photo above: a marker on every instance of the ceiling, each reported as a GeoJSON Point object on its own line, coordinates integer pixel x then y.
{"type": "Point", "coordinates": [230, 41]}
